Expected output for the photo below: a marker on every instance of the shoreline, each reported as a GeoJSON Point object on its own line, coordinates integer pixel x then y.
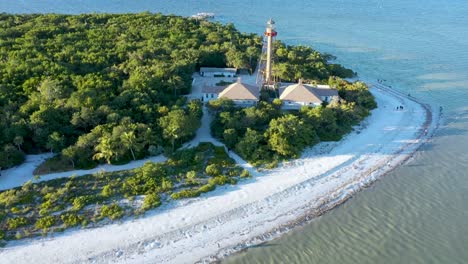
{"type": "Point", "coordinates": [429, 128]}
{"type": "Point", "coordinates": [259, 210]}
{"type": "Point", "coordinates": [327, 206]}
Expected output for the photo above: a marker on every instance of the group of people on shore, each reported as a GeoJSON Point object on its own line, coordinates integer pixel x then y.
{"type": "Point", "coordinates": [382, 82]}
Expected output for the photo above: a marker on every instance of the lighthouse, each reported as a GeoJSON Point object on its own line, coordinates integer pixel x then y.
{"type": "Point", "coordinates": [270, 34]}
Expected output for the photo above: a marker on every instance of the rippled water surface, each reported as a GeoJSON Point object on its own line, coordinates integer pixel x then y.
{"type": "Point", "coordinates": [418, 213]}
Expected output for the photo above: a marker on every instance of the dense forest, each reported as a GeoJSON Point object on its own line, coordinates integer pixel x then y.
{"type": "Point", "coordinates": [107, 88]}
{"type": "Point", "coordinates": [104, 88]}
{"type": "Point", "coordinates": [292, 63]}
{"type": "Point", "coordinates": [264, 134]}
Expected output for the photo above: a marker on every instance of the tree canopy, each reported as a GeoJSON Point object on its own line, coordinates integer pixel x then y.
{"type": "Point", "coordinates": [103, 86]}
{"type": "Point", "coordinates": [301, 62]}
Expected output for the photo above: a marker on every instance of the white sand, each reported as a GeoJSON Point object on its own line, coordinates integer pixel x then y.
{"type": "Point", "coordinates": [233, 217]}
{"type": "Point", "coordinates": [17, 176]}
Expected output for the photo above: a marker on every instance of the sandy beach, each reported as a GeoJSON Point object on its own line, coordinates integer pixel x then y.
{"type": "Point", "coordinates": [234, 217]}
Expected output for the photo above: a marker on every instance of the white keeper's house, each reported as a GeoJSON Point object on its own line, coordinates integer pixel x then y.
{"type": "Point", "coordinates": [295, 96]}
{"type": "Point", "coordinates": [217, 72]}
{"type": "Point", "coordinates": [240, 93]}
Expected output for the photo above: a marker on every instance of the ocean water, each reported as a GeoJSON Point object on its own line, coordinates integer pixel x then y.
{"type": "Point", "coordinates": [419, 212]}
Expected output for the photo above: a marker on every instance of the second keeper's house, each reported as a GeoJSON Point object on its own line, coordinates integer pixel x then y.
{"type": "Point", "coordinates": [295, 96]}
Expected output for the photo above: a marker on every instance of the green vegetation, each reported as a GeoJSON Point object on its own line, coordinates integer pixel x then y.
{"type": "Point", "coordinates": [45, 222]}
{"type": "Point", "coordinates": [101, 88]}
{"type": "Point", "coordinates": [301, 62]}
{"type": "Point", "coordinates": [113, 211]}
{"type": "Point", "coordinates": [36, 209]}
{"type": "Point", "coordinates": [265, 135]}
{"type": "Point", "coordinates": [106, 88]}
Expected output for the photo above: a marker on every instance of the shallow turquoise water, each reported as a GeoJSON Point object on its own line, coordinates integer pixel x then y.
{"type": "Point", "coordinates": [418, 213]}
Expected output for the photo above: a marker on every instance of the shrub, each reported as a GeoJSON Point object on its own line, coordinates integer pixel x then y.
{"type": "Point", "coordinates": [166, 185]}
{"type": "Point", "coordinates": [187, 193]}
{"type": "Point", "coordinates": [2, 234]}
{"type": "Point", "coordinates": [191, 177]}
{"type": "Point", "coordinates": [71, 219]}
{"type": "Point", "coordinates": [43, 212]}
{"type": "Point", "coordinates": [212, 170]}
{"type": "Point", "coordinates": [48, 204]}
{"type": "Point", "coordinates": [46, 189]}
{"type": "Point", "coordinates": [16, 222]}
{"type": "Point", "coordinates": [107, 191]}
{"type": "Point", "coordinates": [207, 188]}
{"type": "Point", "coordinates": [151, 200]}
{"type": "Point", "coordinates": [18, 235]}
{"type": "Point", "coordinates": [9, 198]}
{"type": "Point", "coordinates": [81, 201]}
{"type": "Point", "coordinates": [45, 222]}
{"type": "Point", "coordinates": [15, 210]}
{"type": "Point", "coordinates": [245, 174]}
{"type": "Point", "coordinates": [221, 180]}
{"type": "Point", "coordinates": [113, 211]}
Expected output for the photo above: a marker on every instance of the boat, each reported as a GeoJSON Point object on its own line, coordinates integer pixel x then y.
{"type": "Point", "coordinates": [203, 15]}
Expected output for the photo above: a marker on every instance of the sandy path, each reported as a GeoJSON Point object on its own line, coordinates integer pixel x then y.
{"type": "Point", "coordinates": [233, 217]}
{"type": "Point", "coordinates": [17, 176]}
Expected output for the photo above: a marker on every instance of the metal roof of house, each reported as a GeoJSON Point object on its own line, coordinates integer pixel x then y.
{"type": "Point", "coordinates": [299, 93]}
{"type": "Point", "coordinates": [213, 89]}
{"type": "Point", "coordinates": [306, 93]}
{"type": "Point", "coordinates": [240, 91]}
{"type": "Point", "coordinates": [325, 91]}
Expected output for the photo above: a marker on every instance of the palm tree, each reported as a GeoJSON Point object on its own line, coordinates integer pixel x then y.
{"type": "Point", "coordinates": [18, 140]}
{"type": "Point", "coordinates": [128, 140]}
{"type": "Point", "coordinates": [104, 150]}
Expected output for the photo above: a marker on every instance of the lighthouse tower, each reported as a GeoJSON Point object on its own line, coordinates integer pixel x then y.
{"type": "Point", "coordinates": [264, 73]}
{"type": "Point", "coordinates": [270, 34]}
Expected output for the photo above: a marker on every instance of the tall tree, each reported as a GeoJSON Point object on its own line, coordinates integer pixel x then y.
{"type": "Point", "coordinates": [176, 125]}
{"type": "Point", "coordinates": [104, 149]}
{"type": "Point", "coordinates": [289, 135]}
{"type": "Point", "coordinates": [55, 142]}
{"type": "Point", "coordinates": [128, 140]}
